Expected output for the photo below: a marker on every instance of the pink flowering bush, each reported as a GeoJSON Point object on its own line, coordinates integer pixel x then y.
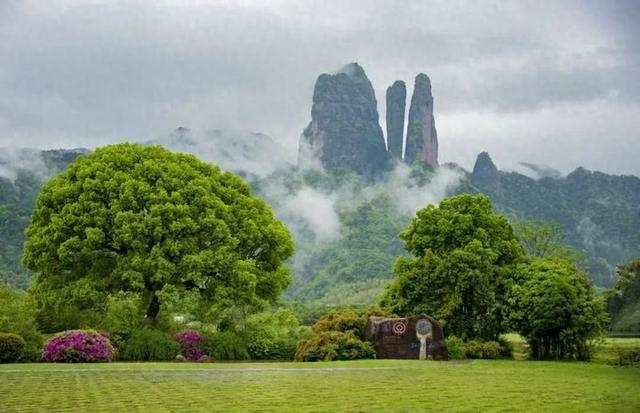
{"type": "Point", "coordinates": [192, 343]}
{"type": "Point", "coordinates": [77, 346]}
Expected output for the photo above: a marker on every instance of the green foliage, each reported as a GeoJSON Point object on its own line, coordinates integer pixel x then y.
{"type": "Point", "coordinates": [546, 240]}
{"type": "Point", "coordinates": [507, 348]}
{"type": "Point", "coordinates": [145, 220]}
{"type": "Point", "coordinates": [273, 335]}
{"type": "Point", "coordinates": [599, 213]}
{"type": "Point", "coordinates": [147, 344]}
{"type": "Point", "coordinates": [628, 357]}
{"type": "Point", "coordinates": [12, 347]}
{"type": "Point", "coordinates": [77, 305]}
{"type": "Point", "coordinates": [353, 269]}
{"type": "Point", "coordinates": [463, 256]}
{"type": "Point", "coordinates": [623, 302]}
{"type": "Point", "coordinates": [554, 307]}
{"type": "Point", "coordinates": [339, 335]}
{"type": "Point", "coordinates": [455, 347]}
{"type": "Point", "coordinates": [228, 345]}
{"type": "Point", "coordinates": [475, 349]}
{"type": "Point", "coordinates": [482, 350]}
{"type": "Point", "coordinates": [17, 316]}
{"type": "Point", "coordinates": [346, 321]}
{"type": "Point", "coordinates": [307, 313]}
{"type": "Point", "coordinates": [124, 314]}
{"type": "Point", "coordinates": [333, 345]}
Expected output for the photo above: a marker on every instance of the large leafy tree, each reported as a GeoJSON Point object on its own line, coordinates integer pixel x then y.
{"type": "Point", "coordinates": [145, 220]}
{"type": "Point", "coordinates": [463, 256]}
{"type": "Point", "coordinates": [553, 306]}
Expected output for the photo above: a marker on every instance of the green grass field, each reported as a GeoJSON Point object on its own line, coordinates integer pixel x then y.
{"type": "Point", "coordinates": [357, 386]}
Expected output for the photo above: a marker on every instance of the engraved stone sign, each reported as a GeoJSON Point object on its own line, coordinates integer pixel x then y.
{"type": "Point", "coordinates": [417, 337]}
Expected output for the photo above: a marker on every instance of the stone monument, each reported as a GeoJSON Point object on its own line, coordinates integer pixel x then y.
{"type": "Point", "coordinates": [417, 337]}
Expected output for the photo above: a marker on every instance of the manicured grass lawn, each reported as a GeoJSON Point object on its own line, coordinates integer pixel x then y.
{"type": "Point", "coordinates": [358, 386]}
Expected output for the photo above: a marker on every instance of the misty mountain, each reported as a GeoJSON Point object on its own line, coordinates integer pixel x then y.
{"type": "Point", "coordinates": [346, 227]}
{"type": "Point", "coordinates": [347, 198]}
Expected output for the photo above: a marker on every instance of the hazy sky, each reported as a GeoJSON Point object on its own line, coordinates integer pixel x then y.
{"type": "Point", "coordinates": [549, 82]}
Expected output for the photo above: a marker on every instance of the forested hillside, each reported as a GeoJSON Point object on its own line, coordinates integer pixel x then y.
{"type": "Point", "coordinates": [23, 173]}
{"type": "Point", "coordinates": [599, 213]}
{"type": "Point", "coordinates": [346, 228]}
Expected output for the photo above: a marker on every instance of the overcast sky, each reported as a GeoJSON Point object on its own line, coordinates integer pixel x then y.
{"type": "Point", "coordinates": [549, 82]}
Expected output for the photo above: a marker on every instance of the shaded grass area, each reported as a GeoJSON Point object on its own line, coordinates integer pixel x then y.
{"type": "Point", "coordinates": [357, 386]}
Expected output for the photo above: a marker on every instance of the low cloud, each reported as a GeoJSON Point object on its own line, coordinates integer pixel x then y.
{"type": "Point", "coordinates": [16, 160]}
{"type": "Point", "coordinates": [409, 197]}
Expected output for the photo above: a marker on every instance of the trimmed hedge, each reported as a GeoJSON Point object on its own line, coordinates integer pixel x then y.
{"type": "Point", "coordinates": [455, 347]}
{"type": "Point", "coordinates": [12, 347]}
{"type": "Point", "coordinates": [628, 357]}
{"type": "Point", "coordinates": [474, 349]}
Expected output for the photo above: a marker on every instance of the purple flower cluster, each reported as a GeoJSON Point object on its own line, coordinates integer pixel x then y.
{"type": "Point", "coordinates": [192, 344]}
{"type": "Point", "coordinates": [75, 346]}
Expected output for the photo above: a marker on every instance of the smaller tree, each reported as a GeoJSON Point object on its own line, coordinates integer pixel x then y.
{"type": "Point", "coordinates": [463, 256]}
{"type": "Point", "coordinates": [553, 306]}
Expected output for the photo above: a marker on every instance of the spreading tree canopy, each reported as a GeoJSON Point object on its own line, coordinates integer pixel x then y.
{"type": "Point", "coordinates": [146, 220]}
{"type": "Point", "coordinates": [463, 255]}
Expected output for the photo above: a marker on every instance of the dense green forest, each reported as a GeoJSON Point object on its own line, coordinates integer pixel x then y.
{"type": "Point", "coordinates": [600, 213]}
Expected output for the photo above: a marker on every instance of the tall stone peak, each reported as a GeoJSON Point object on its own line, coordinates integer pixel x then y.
{"type": "Point", "coordinates": [344, 130]}
{"type": "Point", "coordinates": [396, 104]}
{"type": "Point", "coordinates": [422, 138]}
{"type": "Point", "coordinates": [353, 70]}
{"type": "Point", "coordinates": [485, 173]}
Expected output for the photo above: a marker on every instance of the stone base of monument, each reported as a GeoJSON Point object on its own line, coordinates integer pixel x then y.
{"type": "Point", "coordinates": [417, 337]}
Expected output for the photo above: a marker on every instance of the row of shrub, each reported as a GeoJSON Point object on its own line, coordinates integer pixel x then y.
{"type": "Point", "coordinates": [474, 349]}
{"type": "Point", "coordinates": [271, 335]}
{"type": "Point", "coordinates": [91, 346]}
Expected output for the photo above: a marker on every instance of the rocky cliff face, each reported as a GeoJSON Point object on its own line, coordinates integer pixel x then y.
{"type": "Point", "coordinates": [344, 129]}
{"type": "Point", "coordinates": [396, 103]}
{"type": "Point", "coordinates": [422, 138]}
{"type": "Point", "coordinates": [485, 174]}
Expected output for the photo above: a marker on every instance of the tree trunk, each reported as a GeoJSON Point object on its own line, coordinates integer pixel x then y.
{"type": "Point", "coordinates": [153, 309]}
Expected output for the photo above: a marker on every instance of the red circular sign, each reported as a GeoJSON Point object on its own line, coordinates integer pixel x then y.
{"type": "Point", "coordinates": [399, 328]}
